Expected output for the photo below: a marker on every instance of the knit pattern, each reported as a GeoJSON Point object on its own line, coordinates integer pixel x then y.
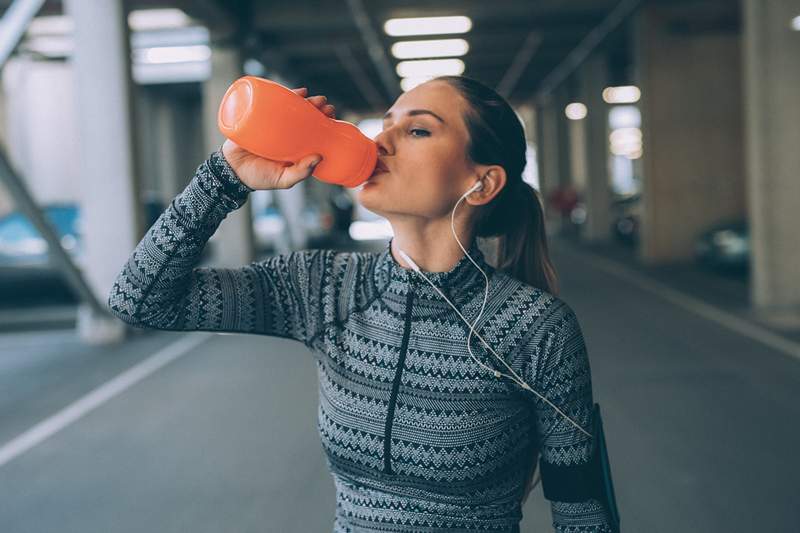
{"type": "Point", "coordinates": [418, 436]}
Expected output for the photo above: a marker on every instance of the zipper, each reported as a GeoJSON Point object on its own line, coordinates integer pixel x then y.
{"type": "Point", "coordinates": [387, 443]}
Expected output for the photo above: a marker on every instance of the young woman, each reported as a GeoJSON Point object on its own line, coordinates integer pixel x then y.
{"type": "Point", "coordinates": [423, 426]}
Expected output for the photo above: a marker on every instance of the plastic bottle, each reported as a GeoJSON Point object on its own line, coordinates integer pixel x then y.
{"type": "Point", "coordinates": [274, 122]}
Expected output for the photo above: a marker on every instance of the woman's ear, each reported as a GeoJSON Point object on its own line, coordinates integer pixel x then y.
{"type": "Point", "coordinates": [494, 179]}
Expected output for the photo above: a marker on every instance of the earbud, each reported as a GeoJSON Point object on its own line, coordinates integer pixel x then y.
{"type": "Point", "coordinates": [477, 187]}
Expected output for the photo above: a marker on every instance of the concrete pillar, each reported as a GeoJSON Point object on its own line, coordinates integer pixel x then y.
{"type": "Point", "coordinates": [6, 202]}
{"type": "Point", "coordinates": [691, 106]}
{"type": "Point", "coordinates": [110, 216]}
{"type": "Point", "coordinates": [233, 242]}
{"type": "Point", "coordinates": [546, 156]}
{"type": "Point", "coordinates": [771, 81]}
{"type": "Point", "coordinates": [593, 77]}
{"type": "Point", "coordinates": [553, 150]}
{"type": "Point", "coordinates": [167, 129]}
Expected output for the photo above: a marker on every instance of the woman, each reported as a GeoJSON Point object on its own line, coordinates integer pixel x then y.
{"type": "Point", "coordinates": [420, 432]}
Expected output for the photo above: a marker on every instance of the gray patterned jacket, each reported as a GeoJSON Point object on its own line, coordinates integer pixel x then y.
{"type": "Point", "coordinates": [417, 435]}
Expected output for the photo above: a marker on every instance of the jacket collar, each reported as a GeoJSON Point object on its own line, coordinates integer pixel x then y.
{"type": "Point", "coordinates": [463, 276]}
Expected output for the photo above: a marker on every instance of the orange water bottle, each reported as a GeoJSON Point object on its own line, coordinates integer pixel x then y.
{"type": "Point", "coordinates": [272, 121]}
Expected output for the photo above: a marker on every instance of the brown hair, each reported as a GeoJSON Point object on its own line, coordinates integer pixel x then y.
{"type": "Point", "coordinates": [516, 215]}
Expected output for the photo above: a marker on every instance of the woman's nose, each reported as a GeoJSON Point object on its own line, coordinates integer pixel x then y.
{"type": "Point", "coordinates": [382, 141]}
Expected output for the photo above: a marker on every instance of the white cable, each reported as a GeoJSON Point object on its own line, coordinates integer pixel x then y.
{"type": "Point", "coordinates": [496, 373]}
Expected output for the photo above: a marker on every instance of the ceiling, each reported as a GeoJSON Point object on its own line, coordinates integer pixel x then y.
{"type": "Point", "coordinates": [325, 44]}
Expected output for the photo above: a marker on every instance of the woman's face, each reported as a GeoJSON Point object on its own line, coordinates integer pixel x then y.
{"type": "Point", "coordinates": [425, 155]}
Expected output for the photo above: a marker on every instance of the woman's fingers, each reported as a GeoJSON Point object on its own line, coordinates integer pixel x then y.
{"type": "Point", "coordinates": [319, 100]}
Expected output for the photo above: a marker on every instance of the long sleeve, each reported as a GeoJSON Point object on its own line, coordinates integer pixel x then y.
{"type": "Point", "coordinates": [563, 376]}
{"type": "Point", "coordinates": [160, 286]}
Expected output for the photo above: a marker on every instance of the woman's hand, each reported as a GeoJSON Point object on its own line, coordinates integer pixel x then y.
{"type": "Point", "coordinates": [261, 173]}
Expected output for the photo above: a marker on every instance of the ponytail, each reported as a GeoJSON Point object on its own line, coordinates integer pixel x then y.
{"type": "Point", "coordinates": [522, 251]}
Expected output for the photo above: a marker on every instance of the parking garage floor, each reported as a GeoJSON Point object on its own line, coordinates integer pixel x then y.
{"type": "Point", "coordinates": [205, 433]}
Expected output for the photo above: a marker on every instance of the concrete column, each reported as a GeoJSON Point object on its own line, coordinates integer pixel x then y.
{"type": "Point", "coordinates": [562, 138]}
{"type": "Point", "coordinates": [690, 79]}
{"type": "Point", "coordinates": [552, 150]}
{"type": "Point", "coordinates": [597, 192]}
{"type": "Point", "coordinates": [771, 82]}
{"type": "Point", "coordinates": [111, 220]}
{"type": "Point", "coordinates": [233, 242]}
{"type": "Point", "coordinates": [546, 155]}
{"type": "Point", "coordinates": [167, 129]}
{"type": "Point", "coordinates": [576, 132]}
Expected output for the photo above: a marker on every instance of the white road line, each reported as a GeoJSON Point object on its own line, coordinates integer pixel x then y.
{"type": "Point", "coordinates": [699, 307]}
{"type": "Point", "coordinates": [52, 425]}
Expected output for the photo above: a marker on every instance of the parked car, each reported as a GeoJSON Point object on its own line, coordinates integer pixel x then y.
{"type": "Point", "coordinates": [725, 246]}
{"type": "Point", "coordinates": [626, 218]}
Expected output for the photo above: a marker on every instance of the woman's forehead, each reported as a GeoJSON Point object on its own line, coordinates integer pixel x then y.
{"type": "Point", "coordinates": [438, 97]}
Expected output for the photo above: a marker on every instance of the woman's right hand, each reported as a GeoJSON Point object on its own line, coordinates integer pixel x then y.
{"type": "Point", "coordinates": [260, 173]}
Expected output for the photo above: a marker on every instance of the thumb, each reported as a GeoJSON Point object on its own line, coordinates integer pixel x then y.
{"type": "Point", "coordinates": [312, 161]}
{"type": "Point", "coordinates": [300, 170]}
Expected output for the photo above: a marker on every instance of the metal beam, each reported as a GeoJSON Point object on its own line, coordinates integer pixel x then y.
{"type": "Point", "coordinates": [57, 255]}
{"type": "Point", "coordinates": [362, 81]}
{"type": "Point", "coordinates": [518, 64]}
{"type": "Point", "coordinates": [623, 10]}
{"type": "Point", "coordinates": [14, 23]}
{"type": "Point", "coordinates": [375, 48]}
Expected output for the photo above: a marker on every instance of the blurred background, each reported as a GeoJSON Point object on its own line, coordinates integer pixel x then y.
{"type": "Point", "coordinates": [663, 137]}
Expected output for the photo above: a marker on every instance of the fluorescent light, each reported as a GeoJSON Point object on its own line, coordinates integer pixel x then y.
{"type": "Point", "coordinates": [430, 67]}
{"type": "Point", "coordinates": [188, 36]}
{"type": "Point", "coordinates": [50, 25]}
{"type": "Point", "coordinates": [157, 19]}
{"type": "Point", "coordinates": [796, 23]}
{"type": "Point", "coordinates": [153, 73]}
{"type": "Point", "coordinates": [172, 54]}
{"type": "Point", "coordinates": [575, 111]}
{"type": "Point", "coordinates": [432, 48]}
{"type": "Point", "coordinates": [427, 25]}
{"type": "Point", "coordinates": [624, 116]}
{"type": "Point", "coordinates": [409, 83]}
{"type": "Point", "coordinates": [50, 45]}
{"type": "Point", "coordinates": [626, 94]}
{"type": "Point", "coordinates": [626, 142]}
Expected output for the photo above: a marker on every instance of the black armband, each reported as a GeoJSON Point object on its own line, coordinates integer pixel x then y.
{"type": "Point", "coordinates": [579, 483]}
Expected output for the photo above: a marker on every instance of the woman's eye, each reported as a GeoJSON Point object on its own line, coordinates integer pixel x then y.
{"type": "Point", "coordinates": [418, 129]}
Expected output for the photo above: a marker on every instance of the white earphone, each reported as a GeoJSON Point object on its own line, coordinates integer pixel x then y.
{"type": "Point", "coordinates": [478, 187]}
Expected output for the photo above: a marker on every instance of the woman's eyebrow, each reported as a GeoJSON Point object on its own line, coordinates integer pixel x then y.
{"type": "Point", "coordinates": [417, 112]}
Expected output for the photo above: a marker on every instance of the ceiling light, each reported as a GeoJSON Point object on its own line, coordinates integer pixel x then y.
{"type": "Point", "coordinates": [430, 67]}
{"type": "Point", "coordinates": [427, 25]}
{"type": "Point", "coordinates": [575, 111]}
{"type": "Point", "coordinates": [172, 54]}
{"type": "Point", "coordinates": [626, 94]}
{"type": "Point", "coordinates": [409, 83]}
{"type": "Point", "coordinates": [157, 19]}
{"type": "Point", "coordinates": [796, 23]}
{"type": "Point", "coordinates": [432, 48]}
{"type": "Point", "coordinates": [50, 25]}
{"type": "Point", "coordinates": [50, 45]}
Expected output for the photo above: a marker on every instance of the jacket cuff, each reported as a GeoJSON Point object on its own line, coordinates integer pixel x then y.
{"type": "Point", "coordinates": [230, 183]}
